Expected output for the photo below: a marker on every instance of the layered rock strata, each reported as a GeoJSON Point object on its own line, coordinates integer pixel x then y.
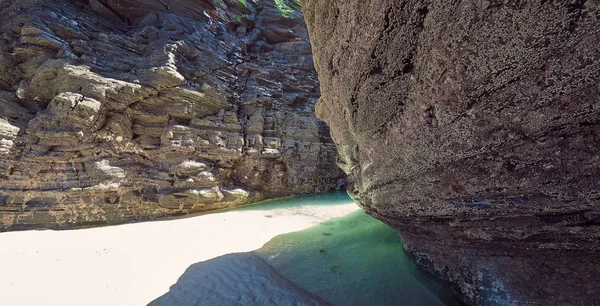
{"type": "Point", "coordinates": [472, 127]}
{"type": "Point", "coordinates": [112, 111]}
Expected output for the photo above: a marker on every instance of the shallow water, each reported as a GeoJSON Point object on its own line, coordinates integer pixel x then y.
{"type": "Point", "coordinates": [353, 260]}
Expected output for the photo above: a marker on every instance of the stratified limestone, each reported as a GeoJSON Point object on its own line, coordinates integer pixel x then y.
{"type": "Point", "coordinates": [472, 127]}
{"type": "Point", "coordinates": [112, 111]}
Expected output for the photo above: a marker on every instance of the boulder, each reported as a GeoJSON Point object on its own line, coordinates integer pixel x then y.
{"type": "Point", "coordinates": [472, 128]}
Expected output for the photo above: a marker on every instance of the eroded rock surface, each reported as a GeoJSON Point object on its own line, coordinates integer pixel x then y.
{"type": "Point", "coordinates": [113, 111]}
{"type": "Point", "coordinates": [472, 127]}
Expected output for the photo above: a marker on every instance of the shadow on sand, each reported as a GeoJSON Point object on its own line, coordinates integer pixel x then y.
{"type": "Point", "coordinates": [235, 279]}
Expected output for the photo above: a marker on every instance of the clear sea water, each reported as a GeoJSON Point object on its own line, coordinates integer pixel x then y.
{"type": "Point", "coordinates": [350, 260]}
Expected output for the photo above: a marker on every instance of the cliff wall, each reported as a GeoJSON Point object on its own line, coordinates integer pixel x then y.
{"type": "Point", "coordinates": [112, 111]}
{"type": "Point", "coordinates": [472, 127]}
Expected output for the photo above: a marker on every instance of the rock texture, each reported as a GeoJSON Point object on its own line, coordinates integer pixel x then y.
{"type": "Point", "coordinates": [472, 127]}
{"type": "Point", "coordinates": [113, 111]}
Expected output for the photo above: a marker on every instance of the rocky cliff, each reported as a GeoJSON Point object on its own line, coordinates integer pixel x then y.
{"type": "Point", "coordinates": [112, 111]}
{"type": "Point", "coordinates": [472, 127]}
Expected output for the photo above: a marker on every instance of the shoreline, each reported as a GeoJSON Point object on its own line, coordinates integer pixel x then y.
{"type": "Point", "coordinates": [181, 216]}
{"type": "Point", "coordinates": [134, 263]}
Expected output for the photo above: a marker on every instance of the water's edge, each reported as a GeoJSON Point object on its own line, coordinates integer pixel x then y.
{"type": "Point", "coordinates": [349, 260]}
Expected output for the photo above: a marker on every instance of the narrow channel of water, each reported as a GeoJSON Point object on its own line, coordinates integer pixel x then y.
{"type": "Point", "coordinates": [353, 260]}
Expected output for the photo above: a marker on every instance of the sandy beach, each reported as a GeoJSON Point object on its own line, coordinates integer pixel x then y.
{"type": "Point", "coordinates": [134, 264]}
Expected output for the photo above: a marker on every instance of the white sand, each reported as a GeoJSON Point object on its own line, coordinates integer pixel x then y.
{"type": "Point", "coordinates": [134, 264]}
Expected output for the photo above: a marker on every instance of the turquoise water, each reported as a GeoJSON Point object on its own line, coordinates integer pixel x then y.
{"type": "Point", "coordinates": [321, 199]}
{"type": "Point", "coordinates": [351, 260]}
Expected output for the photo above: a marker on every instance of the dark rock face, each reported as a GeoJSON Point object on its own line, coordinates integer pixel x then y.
{"type": "Point", "coordinates": [113, 111]}
{"type": "Point", "coordinates": [472, 127]}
